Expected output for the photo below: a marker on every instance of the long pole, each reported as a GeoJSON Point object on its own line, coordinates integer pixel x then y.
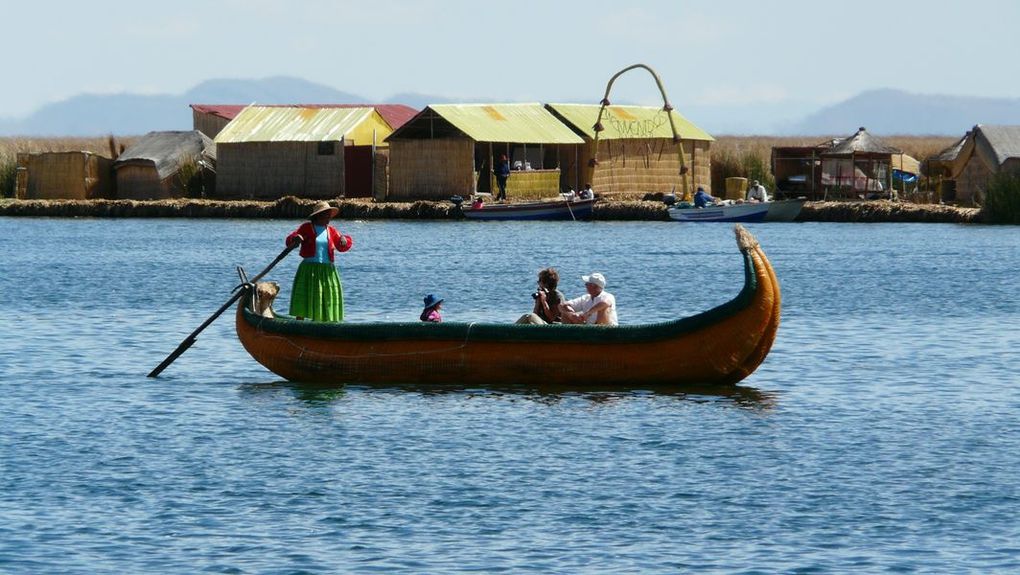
{"type": "Point", "coordinates": [190, 340]}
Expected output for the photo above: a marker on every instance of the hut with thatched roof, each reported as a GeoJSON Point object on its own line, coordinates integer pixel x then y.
{"type": "Point", "coordinates": [267, 152]}
{"type": "Point", "coordinates": [63, 176]}
{"type": "Point", "coordinates": [939, 169]}
{"type": "Point", "coordinates": [636, 152]}
{"type": "Point", "coordinates": [860, 165]}
{"type": "Point", "coordinates": [450, 149]}
{"type": "Point", "coordinates": [164, 165]}
{"type": "Point", "coordinates": [985, 151]}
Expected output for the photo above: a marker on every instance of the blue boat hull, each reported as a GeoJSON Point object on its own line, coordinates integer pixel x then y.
{"type": "Point", "coordinates": [734, 213]}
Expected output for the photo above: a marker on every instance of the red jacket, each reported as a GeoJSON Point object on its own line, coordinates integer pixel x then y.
{"type": "Point", "coordinates": [306, 232]}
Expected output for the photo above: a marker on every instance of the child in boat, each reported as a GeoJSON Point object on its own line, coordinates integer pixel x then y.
{"type": "Point", "coordinates": [431, 311]}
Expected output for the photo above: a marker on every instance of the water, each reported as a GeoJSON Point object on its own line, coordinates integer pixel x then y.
{"type": "Point", "coordinates": [880, 435]}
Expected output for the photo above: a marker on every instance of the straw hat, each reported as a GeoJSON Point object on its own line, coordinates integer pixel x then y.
{"type": "Point", "coordinates": [322, 206]}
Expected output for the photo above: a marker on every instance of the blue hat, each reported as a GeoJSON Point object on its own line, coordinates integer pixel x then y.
{"type": "Point", "coordinates": [432, 301]}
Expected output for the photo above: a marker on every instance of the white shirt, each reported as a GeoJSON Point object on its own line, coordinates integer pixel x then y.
{"type": "Point", "coordinates": [758, 193]}
{"type": "Point", "coordinates": [586, 302]}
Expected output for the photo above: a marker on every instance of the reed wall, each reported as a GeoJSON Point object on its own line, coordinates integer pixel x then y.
{"type": "Point", "coordinates": [270, 170]}
{"type": "Point", "coordinates": [137, 181]}
{"type": "Point", "coordinates": [64, 176]}
{"type": "Point", "coordinates": [530, 184]}
{"type": "Point", "coordinates": [208, 124]}
{"type": "Point", "coordinates": [431, 169]}
{"type": "Point", "coordinates": [636, 167]}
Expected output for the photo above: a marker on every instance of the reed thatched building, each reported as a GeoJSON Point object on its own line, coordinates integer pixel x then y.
{"type": "Point", "coordinates": [63, 176]}
{"type": "Point", "coordinates": [985, 151]}
{"type": "Point", "coordinates": [165, 165]}
{"type": "Point", "coordinates": [311, 152]}
{"type": "Point", "coordinates": [450, 150]}
{"type": "Point", "coordinates": [860, 165]}
{"type": "Point", "coordinates": [636, 152]}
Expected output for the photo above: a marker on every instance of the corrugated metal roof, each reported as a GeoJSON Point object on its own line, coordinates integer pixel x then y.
{"type": "Point", "coordinates": [166, 150]}
{"type": "Point", "coordinates": [278, 124]}
{"type": "Point", "coordinates": [518, 123]}
{"type": "Point", "coordinates": [628, 122]}
{"type": "Point", "coordinates": [395, 115]}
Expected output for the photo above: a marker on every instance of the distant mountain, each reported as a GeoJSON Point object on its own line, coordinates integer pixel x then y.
{"type": "Point", "coordinates": [133, 114]}
{"type": "Point", "coordinates": [897, 112]}
{"type": "Point", "coordinates": [881, 111]}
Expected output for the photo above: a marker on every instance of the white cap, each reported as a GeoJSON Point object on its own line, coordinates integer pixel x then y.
{"type": "Point", "coordinates": [595, 279]}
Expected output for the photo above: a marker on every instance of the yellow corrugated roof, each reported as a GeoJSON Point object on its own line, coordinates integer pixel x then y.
{"type": "Point", "coordinates": [277, 124]}
{"type": "Point", "coordinates": [628, 122]}
{"type": "Point", "coordinates": [520, 123]}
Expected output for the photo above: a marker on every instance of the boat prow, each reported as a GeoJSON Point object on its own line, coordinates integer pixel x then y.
{"type": "Point", "coordinates": [720, 346]}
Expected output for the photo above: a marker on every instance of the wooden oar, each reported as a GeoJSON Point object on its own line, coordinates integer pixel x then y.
{"type": "Point", "coordinates": [190, 340]}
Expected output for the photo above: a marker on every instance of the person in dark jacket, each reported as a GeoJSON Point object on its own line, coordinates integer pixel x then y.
{"type": "Point", "coordinates": [502, 173]}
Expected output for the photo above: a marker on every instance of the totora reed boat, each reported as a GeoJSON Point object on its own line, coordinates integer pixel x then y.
{"type": "Point", "coordinates": [720, 346]}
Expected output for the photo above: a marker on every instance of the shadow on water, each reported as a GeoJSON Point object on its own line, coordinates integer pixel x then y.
{"type": "Point", "coordinates": [317, 393]}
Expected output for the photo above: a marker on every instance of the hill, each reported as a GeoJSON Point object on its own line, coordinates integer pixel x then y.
{"type": "Point", "coordinates": [898, 112]}
{"type": "Point", "coordinates": [133, 114]}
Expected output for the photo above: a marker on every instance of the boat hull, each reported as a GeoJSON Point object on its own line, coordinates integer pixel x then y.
{"type": "Point", "coordinates": [720, 346]}
{"type": "Point", "coordinates": [784, 210]}
{"type": "Point", "coordinates": [552, 210]}
{"type": "Point", "coordinates": [733, 213]}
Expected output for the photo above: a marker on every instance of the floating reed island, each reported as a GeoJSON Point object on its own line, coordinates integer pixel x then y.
{"type": "Point", "coordinates": [291, 207]}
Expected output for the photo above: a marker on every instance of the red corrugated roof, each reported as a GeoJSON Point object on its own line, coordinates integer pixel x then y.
{"type": "Point", "coordinates": [396, 115]}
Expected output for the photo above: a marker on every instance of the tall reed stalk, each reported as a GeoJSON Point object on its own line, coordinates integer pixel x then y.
{"type": "Point", "coordinates": [1002, 200]}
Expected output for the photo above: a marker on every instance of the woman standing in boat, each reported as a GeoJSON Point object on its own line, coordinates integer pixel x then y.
{"type": "Point", "coordinates": [317, 293]}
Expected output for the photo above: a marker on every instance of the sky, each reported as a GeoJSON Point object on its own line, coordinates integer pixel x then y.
{"type": "Point", "coordinates": [753, 57]}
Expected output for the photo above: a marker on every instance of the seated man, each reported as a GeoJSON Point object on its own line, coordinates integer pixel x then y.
{"type": "Point", "coordinates": [595, 307]}
{"type": "Point", "coordinates": [703, 199]}
{"type": "Point", "coordinates": [757, 193]}
{"type": "Point", "coordinates": [587, 193]}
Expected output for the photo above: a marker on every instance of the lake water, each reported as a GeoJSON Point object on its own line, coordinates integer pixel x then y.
{"type": "Point", "coordinates": [882, 433]}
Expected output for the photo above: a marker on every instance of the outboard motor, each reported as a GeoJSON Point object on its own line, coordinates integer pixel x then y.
{"type": "Point", "coordinates": [457, 200]}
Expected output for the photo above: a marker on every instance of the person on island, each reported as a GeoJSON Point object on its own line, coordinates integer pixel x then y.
{"type": "Point", "coordinates": [597, 306]}
{"type": "Point", "coordinates": [757, 193]}
{"type": "Point", "coordinates": [502, 172]}
{"type": "Point", "coordinates": [547, 300]}
{"type": "Point", "coordinates": [431, 313]}
{"type": "Point", "coordinates": [478, 203]}
{"type": "Point", "coordinates": [702, 198]}
{"type": "Point", "coordinates": [587, 193]}
{"type": "Point", "coordinates": [317, 293]}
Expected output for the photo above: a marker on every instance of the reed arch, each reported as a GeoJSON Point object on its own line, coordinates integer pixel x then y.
{"type": "Point", "coordinates": [666, 107]}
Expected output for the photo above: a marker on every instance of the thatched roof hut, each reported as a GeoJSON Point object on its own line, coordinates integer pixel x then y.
{"type": "Point", "coordinates": [163, 165]}
{"type": "Point", "coordinates": [63, 176]}
{"type": "Point", "coordinates": [451, 149]}
{"type": "Point", "coordinates": [268, 152]}
{"type": "Point", "coordinates": [636, 150]}
{"type": "Point", "coordinates": [985, 151]}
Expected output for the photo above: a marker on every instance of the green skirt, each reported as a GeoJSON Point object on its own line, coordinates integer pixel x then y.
{"type": "Point", "coordinates": [317, 294]}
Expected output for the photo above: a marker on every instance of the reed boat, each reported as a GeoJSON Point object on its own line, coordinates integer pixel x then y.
{"type": "Point", "coordinates": [720, 346]}
{"type": "Point", "coordinates": [562, 209]}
